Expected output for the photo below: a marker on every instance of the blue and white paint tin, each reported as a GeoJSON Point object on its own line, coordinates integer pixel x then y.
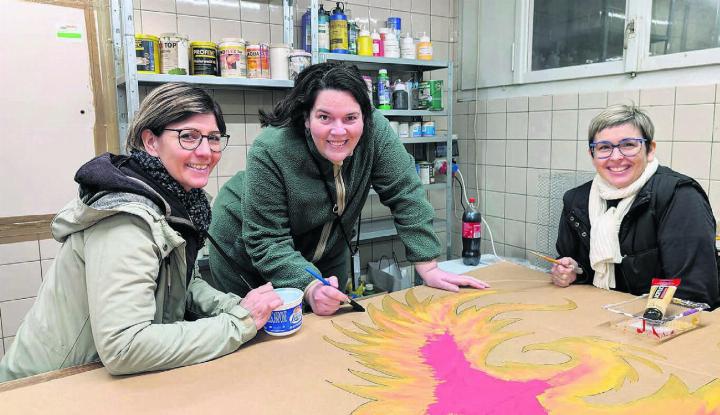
{"type": "Point", "coordinates": [287, 318]}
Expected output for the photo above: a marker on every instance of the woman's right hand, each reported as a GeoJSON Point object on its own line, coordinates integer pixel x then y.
{"type": "Point", "coordinates": [260, 302]}
{"type": "Point", "coordinates": [326, 300]}
{"type": "Point", "coordinates": [563, 274]}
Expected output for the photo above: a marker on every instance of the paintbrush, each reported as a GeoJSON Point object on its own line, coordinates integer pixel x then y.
{"type": "Point", "coordinates": [353, 303]}
{"type": "Point", "coordinates": [577, 269]}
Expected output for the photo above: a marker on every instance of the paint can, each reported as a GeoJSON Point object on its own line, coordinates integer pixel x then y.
{"type": "Point", "coordinates": [265, 61]}
{"type": "Point", "coordinates": [204, 58]}
{"type": "Point", "coordinates": [147, 53]}
{"type": "Point", "coordinates": [428, 128]}
{"type": "Point", "coordinates": [298, 61]}
{"type": "Point", "coordinates": [174, 58]}
{"type": "Point", "coordinates": [416, 129]}
{"type": "Point", "coordinates": [279, 55]}
{"type": "Point", "coordinates": [425, 171]}
{"type": "Point", "coordinates": [233, 60]}
{"type": "Point", "coordinates": [404, 131]}
{"type": "Point", "coordinates": [430, 95]}
{"type": "Point", "coordinates": [287, 318]}
{"type": "Point", "coordinates": [254, 66]}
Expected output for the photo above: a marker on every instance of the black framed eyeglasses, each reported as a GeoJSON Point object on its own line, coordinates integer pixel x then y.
{"type": "Point", "coordinates": [628, 147]}
{"type": "Point", "coordinates": [190, 139]}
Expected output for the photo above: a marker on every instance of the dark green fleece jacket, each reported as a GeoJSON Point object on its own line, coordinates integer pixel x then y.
{"type": "Point", "coordinates": [270, 217]}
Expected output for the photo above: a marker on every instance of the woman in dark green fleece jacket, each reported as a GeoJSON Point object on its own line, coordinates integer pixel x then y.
{"type": "Point", "coordinates": [308, 176]}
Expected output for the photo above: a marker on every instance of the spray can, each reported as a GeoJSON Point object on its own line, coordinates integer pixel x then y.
{"type": "Point", "coordinates": [306, 27]}
{"type": "Point", "coordinates": [338, 29]}
{"type": "Point", "coordinates": [471, 234]}
{"type": "Point", "coordinates": [323, 30]}
{"type": "Point", "coordinates": [383, 90]}
{"type": "Point", "coordinates": [395, 26]}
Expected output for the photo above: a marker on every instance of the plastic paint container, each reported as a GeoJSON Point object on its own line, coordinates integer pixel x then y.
{"type": "Point", "coordinates": [147, 53]}
{"type": "Point", "coordinates": [287, 318]}
{"type": "Point", "coordinates": [233, 60]}
{"type": "Point", "coordinates": [279, 61]}
{"type": "Point", "coordinates": [415, 129]}
{"type": "Point", "coordinates": [174, 58]}
{"type": "Point", "coordinates": [298, 61]}
{"type": "Point", "coordinates": [428, 128]}
{"type": "Point", "coordinates": [404, 130]}
{"type": "Point", "coordinates": [254, 64]}
{"type": "Point", "coordinates": [204, 58]}
{"type": "Point", "coordinates": [425, 170]}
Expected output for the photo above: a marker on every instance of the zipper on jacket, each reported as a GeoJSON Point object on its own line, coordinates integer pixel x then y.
{"type": "Point", "coordinates": [338, 210]}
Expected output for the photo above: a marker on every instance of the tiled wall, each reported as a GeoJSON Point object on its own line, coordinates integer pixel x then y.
{"type": "Point", "coordinates": [23, 264]}
{"type": "Point", "coordinates": [529, 150]}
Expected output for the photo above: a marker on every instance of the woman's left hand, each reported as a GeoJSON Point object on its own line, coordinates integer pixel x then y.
{"type": "Point", "coordinates": [435, 277]}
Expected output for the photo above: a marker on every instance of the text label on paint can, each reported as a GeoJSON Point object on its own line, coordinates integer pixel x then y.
{"type": "Point", "coordinates": [147, 53]}
{"type": "Point", "coordinates": [204, 58]}
{"type": "Point", "coordinates": [174, 58]}
{"type": "Point", "coordinates": [415, 129]}
{"type": "Point", "coordinates": [287, 318]}
{"type": "Point", "coordinates": [428, 128]}
{"type": "Point", "coordinates": [425, 170]}
{"type": "Point", "coordinates": [233, 59]}
{"type": "Point", "coordinates": [254, 64]}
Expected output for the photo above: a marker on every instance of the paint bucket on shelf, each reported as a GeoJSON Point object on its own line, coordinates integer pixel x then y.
{"type": "Point", "coordinates": [428, 128]}
{"type": "Point", "coordinates": [425, 171]}
{"type": "Point", "coordinates": [147, 54]}
{"type": "Point", "coordinates": [279, 54]}
{"type": "Point", "coordinates": [174, 58]}
{"type": "Point", "coordinates": [287, 318]}
{"type": "Point", "coordinates": [204, 58]}
{"type": "Point", "coordinates": [298, 61]}
{"type": "Point", "coordinates": [254, 64]}
{"type": "Point", "coordinates": [265, 61]}
{"type": "Point", "coordinates": [233, 59]}
{"type": "Point", "coordinates": [404, 130]}
{"type": "Point", "coordinates": [416, 129]}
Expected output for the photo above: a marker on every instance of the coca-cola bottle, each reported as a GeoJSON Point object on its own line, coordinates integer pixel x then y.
{"type": "Point", "coordinates": [471, 234]}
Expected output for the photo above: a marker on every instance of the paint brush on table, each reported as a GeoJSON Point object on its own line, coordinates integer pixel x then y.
{"type": "Point", "coordinates": [355, 305]}
{"type": "Point", "coordinates": [577, 269]}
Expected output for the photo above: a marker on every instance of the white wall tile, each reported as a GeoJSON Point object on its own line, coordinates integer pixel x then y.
{"type": "Point", "coordinates": [517, 104]}
{"type": "Point", "coordinates": [226, 9]}
{"type": "Point", "coordinates": [696, 94]}
{"type": "Point", "coordinates": [516, 153]}
{"type": "Point", "coordinates": [275, 8]}
{"type": "Point", "coordinates": [516, 180]}
{"type": "Point", "coordinates": [233, 160]}
{"type": "Point", "coordinates": [13, 313]}
{"type": "Point", "coordinates": [564, 155]}
{"type": "Point", "coordinates": [221, 28]}
{"type": "Point", "coordinates": [495, 178]}
{"type": "Point", "coordinates": [495, 204]}
{"type": "Point", "coordinates": [517, 126]}
{"type": "Point", "coordinates": [663, 118]}
{"type": "Point", "coordinates": [496, 126]}
{"type": "Point", "coordinates": [137, 21]}
{"type": "Point", "coordinates": [541, 103]}
{"type": "Point", "coordinates": [515, 235]}
{"type": "Point", "coordinates": [586, 116]}
{"type": "Point", "coordinates": [401, 5]}
{"type": "Point", "coordinates": [565, 102]}
{"type": "Point", "coordinates": [20, 280]}
{"type": "Point", "coordinates": [539, 125]}
{"type": "Point", "coordinates": [497, 105]}
{"type": "Point", "coordinates": [715, 162]}
{"type": "Point", "coordinates": [539, 154]}
{"type": "Point", "coordinates": [538, 182]}
{"type": "Point", "coordinates": [495, 152]}
{"type": "Point", "coordinates": [442, 8]}
{"type": "Point", "coordinates": [692, 159]}
{"type": "Point", "coordinates": [257, 100]}
{"type": "Point", "coordinates": [196, 28]}
{"type": "Point", "coordinates": [19, 252]}
{"type": "Point", "coordinates": [49, 248]}
{"type": "Point", "coordinates": [714, 196]}
{"type": "Point", "coordinates": [664, 152]}
{"type": "Point", "coordinates": [254, 11]}
{"type": "Point", "coordinates": [159, 5]}
{"type": "Point", "coordinates": [515, 206]}
{"type": "Point", "coordinates": [235, 125]}
{"type": "Point", "coordinates": [716, 126]}
{"type": "Point", "coordinates": [419, 22]}
{"type": "Point", "coordinates": [584, 160]}
{"type": "Point", "coordinates": [693, 122]}
{"type": "Point", "coordinates": [255, 32]}
{"type": "Point", "coordinates": [156, 23]}
{"type": "Point", "coordinates": [564, 125]}
{"type": "Point", "coordinates": [657, 96]}
{"type": "Point", "coordinates": [630, 97]}
{"type": "Point", "coordinates": [593, 100]}
{"type": "Point", "coordinates": [193, 7]}
{"type": "Point", "coordinates": [421, 6]}
{"type": "Point", "coordinates": [231, 102]}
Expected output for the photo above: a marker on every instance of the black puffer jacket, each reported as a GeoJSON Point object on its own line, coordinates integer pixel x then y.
{"type": "Point", "coordinates": [669, 232]}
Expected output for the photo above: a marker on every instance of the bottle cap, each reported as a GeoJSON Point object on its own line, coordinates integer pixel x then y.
{"type": "Point", "coordinates": [364, 32]}
{"type": "Point", "coordinates": [382, 72]}
{"type": "Point", "coordinates": [399, 86]}
{"type": "Point", "coordinates": [369, 287]}
{"type": "Point", "coordinates": [472, 200]}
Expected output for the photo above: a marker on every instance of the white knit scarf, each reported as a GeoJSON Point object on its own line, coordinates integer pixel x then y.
{"type": "Point", "coordinates": [605, 223]}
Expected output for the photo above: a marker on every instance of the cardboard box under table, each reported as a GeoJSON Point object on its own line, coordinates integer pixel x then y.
{"type": "Point", "coordinates": [523, 346]}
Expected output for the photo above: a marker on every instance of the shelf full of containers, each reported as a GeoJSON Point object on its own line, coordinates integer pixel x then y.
{"type": "Point", "coordinates": [395, 66]}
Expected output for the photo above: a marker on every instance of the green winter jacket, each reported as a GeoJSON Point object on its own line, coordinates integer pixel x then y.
{"type": "Point", "coordinates": [117, 293]}
{"type": "Point", "coordinates": [272, 217]}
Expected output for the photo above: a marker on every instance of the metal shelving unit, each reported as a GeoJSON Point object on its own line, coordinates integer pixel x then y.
{"type": "Point", "coordinates": [385, 228]}
{"type": "Point", "coordinates": [128, 80]}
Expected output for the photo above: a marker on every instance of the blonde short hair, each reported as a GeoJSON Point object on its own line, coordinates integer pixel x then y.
{"type": "Point", "coordinates": [620, 114]}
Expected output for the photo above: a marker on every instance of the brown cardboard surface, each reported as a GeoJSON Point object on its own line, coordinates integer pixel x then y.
{"type": "Point", "coordinates": [322, 370]}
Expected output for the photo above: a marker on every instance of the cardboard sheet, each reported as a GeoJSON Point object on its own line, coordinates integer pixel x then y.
{"type": "Point", "coordinates": [523, 346]}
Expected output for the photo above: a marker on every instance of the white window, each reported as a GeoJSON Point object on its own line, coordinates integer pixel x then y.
{"type": "Point", "coordinates": [563, 39]}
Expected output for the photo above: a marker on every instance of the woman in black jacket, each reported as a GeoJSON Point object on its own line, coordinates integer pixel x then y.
{"type": "Point", "coordinates": [636, 220]}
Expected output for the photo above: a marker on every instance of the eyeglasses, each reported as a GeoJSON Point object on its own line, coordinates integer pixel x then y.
{"type": "Point", "coordinates": [628, 147]}
{"type": "Point", "coordinates": [190, 139]}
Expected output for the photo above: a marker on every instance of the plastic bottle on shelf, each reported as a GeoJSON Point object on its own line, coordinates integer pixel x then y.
{"type": "Point", "coordinates": [365, 43]}
{"type": "Point", "coordinates": [323, 30]}
{"type": "Point", "coordinates": [391, 45]}
{"type": "Point", "coordinates": [407, 47]}
{"type": "Point", "coordinates": [400, 96]}
{"type": "Point", "coordinates": [306, 37]}
{"type": "Point", "coordinates": [353, 37]}
{"type": "Point", "coordinates": [338, 29]}
{"type": "Point", "coordinates": [377, 44]}
{"type": "Point", "coordinates": [424, 48]}
{"type": "Point", "coordinates": [383, 90]}
{"type": "Point", "coordinates": [471, 234]}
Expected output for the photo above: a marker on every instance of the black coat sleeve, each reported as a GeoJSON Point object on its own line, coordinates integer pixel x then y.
{"type": "Point", "coordinates": [568, 242]}
{"type": "Point", "coordinates": [686, 240]}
